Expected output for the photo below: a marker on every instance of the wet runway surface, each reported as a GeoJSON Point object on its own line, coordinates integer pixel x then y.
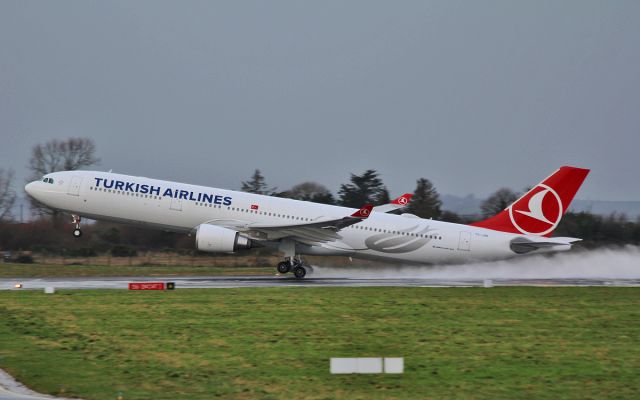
{"type": "Point", "coordinates": [288, 281]}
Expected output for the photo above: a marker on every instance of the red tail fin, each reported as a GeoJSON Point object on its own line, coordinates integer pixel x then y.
{"type": "Point", "coordinates": [539, 211]}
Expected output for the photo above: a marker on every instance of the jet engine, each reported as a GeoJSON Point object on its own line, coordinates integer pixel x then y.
{"type": "Point", "coordinates": [216, 239]}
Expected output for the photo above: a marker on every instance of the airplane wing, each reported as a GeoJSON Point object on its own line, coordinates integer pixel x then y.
{"type": "Point", "coordinates": [522, 245]}
{"type": "Point", "coordinates": [396, 205]}
{"type": "Point", "coordinates": [308, 233]}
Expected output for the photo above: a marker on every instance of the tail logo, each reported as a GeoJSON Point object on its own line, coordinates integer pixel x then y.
{"type": "Point", "coordinates": [403, 201]}
{"type": "Point", "coordinates": [538, 212]}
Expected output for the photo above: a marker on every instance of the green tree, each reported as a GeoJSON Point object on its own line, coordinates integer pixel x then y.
{"type": "Point", "coordinates": [450, 216]}
{"type": "Point", "coordinates": [310, 191]}
{"type": "Point", "coordinates": [363, 189]}
{"type": "Point", "coordinates": [383, 197]}
{"type": "Point", "coordinates": [498, 201]}
{"type": "Point", "coordinates": [256, 184]}
{"type": "Point", "coordinates": [425, 202]}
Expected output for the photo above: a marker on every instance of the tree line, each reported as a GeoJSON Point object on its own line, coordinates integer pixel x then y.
{"type": "Point", "coordinates": [366, 188]}
{"type": "Point", "coordinates": [49, 232]}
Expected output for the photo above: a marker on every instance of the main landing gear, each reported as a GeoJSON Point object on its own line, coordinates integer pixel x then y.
{"type": "Point", "coordinates": [76, 221]}
{"type": "Point", "coordinates": [296, 266]}
{"type": "Point", "coordinates": [284, 267]}
{"type": "Point", "coordinates": [292, 261]}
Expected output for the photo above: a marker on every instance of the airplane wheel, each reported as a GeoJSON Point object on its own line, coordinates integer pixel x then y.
{"type": "Point", "coordinates": [284, 267]}
{"type": "Point", "coordinates": [299, 272]}
{"type": "Point", "coordinates": [77, 233]}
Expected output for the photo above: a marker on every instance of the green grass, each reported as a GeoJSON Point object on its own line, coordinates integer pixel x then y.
{"type": "Point", "coordinates": [10, 270]}
{"type": "Point", "coordinates": [463, 343]}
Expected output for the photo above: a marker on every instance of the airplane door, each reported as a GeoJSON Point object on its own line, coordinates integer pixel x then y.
{"type": "Point", "coordinates": [465, 241]}
{"type": "Point", "coordinates": [176, 204]}
{"type": "Point", "coordinates": [74, 186]}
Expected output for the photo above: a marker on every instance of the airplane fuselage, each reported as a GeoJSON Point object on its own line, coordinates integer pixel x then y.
{"type": "Point", "coordinates": [182, 207]}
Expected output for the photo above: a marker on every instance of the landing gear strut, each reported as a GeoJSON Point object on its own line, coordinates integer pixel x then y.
{"type": "Point", "coordinates": [76, 221]}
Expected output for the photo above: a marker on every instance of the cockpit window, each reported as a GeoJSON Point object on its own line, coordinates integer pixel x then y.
{"type": "Point", "coordinates": [47, 180]}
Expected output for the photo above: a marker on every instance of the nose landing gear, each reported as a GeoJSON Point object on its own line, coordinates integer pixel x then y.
{"type": "Point", "coordinates": [76, 221]}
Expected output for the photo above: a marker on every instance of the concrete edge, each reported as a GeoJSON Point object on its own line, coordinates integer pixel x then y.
{"type": "Point", "coordinates": [10, 385]}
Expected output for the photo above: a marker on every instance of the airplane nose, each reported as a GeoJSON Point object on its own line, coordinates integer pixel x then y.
{"type": "Point", "coordinates": [29, 188]}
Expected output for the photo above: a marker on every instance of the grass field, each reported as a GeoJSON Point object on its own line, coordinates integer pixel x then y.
{"type": "Point", "coordinates": [473, 343]}
{"type": "Point", "coordinates": [10, 270]}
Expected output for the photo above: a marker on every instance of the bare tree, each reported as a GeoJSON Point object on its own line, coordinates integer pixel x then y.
{"type": "Point", "coordinates": [59, 155]}
{"type": "Point", "coordinates": [66, 155]}
{"type": "Point", "coordinates": [498, 201]}
{"type": "Point", "coordinates": [7, 194]}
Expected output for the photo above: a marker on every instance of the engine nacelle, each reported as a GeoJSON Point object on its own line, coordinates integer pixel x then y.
{"type": "Point", "coordinates": [216, 239]}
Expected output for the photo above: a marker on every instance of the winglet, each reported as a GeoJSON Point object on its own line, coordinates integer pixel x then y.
{"type": "Point", "coordinates": [403, 200]}
{"type": "Point", "coordinates": [364, 212]}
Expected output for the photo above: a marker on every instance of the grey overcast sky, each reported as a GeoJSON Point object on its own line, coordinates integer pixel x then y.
{"type": "Point", "coordinates": [473, 95]}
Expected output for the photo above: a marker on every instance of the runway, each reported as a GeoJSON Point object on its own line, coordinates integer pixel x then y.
{"type": "Point", "coordinates": [219, 282]}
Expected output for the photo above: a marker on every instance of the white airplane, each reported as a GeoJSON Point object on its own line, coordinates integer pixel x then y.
{"type": "Point", "coordinates": [227, 221]}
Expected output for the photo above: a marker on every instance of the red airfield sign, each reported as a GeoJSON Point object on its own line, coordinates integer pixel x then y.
{"type": "Point", "coordinates": [146, 286]}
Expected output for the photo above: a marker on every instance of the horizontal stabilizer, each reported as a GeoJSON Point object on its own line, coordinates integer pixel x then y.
{"type": "Point", "coordinates": [522, 245]}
